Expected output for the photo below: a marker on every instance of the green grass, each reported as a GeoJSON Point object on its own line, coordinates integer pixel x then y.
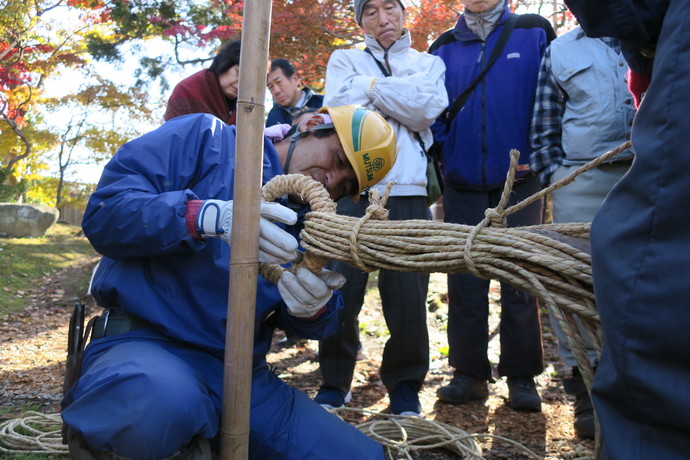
{"type": "Point", "coordinates": [373, 328]}
{"type": "Point", "coordinates": [25, 261]}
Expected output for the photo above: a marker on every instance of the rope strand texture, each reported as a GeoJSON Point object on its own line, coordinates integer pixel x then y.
{"type": "Point", "coordinates": [552, 261]}
{"type": "Point", "coordinates": [33, 433]}
{"type": "Point", "coordinates": [535, 258]}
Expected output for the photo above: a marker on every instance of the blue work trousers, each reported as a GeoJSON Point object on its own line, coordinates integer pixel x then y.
{"type": "Point", "coordinates": [143, 398]}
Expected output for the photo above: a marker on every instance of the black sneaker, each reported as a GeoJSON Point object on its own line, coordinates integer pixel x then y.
{"type": "Point", "coordinates": [462, 389]}
{"type": "Point", "coordinates": [332, 398]}
{"type": "Point", "coordinates": [522, 394]}
{"type": "Point", "coordinates": [405, 400]}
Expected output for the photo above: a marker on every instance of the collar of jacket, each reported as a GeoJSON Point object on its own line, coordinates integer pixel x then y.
{"type": "Point", "coordinates": [401, 45]}
{"type": "Point", "coordinates": [308, 93]}
{"type": "Point", "coordinates": [462, 32]}
{"type": "Point", "coordinates": [611, 42]}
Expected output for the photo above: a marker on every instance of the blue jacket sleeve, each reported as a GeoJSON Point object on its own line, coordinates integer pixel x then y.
{"type": "Point", "coordinates": [138, 209]}
{"type": "Point", "coordinates": [323, 326]}
{"type": "Point", "coordinates": [440, 131]}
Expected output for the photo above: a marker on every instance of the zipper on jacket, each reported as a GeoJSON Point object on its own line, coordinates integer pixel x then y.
{"type": "Point", "coordinates": [483, 127]}
{"type": "Point", "coordinates": [385, 60]}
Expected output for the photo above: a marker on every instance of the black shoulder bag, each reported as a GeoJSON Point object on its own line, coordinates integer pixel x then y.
{"type": "Point", "coordinates": [434, 183]}
{"type": "Point", "coordinates": [459, 101]}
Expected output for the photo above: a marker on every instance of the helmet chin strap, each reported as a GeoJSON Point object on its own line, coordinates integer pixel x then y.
{"type": "Point", "coordinates": [291, 150]}
{"type": "Point", "coordinates": [293, 141]}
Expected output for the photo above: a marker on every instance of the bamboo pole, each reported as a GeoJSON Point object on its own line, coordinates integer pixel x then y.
{"type": "Point", "coordinates": [244, 265]}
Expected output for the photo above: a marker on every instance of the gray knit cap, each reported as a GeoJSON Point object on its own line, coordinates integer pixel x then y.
{"type": "Point", "coordinates": [359, 6]}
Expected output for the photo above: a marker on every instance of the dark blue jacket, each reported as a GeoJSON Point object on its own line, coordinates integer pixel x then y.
{"type": "Point", "coordinates": [152, 268]}
{"type": "Point", "coordinates": [496, 117]}
{"type": "Point", "coordinates": [282, 115]}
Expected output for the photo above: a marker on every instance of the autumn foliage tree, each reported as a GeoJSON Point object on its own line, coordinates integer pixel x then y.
{"type": "Point", "coordinates": [32, 48]}
{"type": "Point", "coordinates": [40, 41]}
{"type": "Point", "coordinates": [34, 45]}
{"type": "Point", "coordinates": [93, 123]}
{"type": "Point", "coordinates": [303, 31]}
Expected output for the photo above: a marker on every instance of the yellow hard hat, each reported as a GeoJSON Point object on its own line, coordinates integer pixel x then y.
{"type": "Point", "coordinates": [368, 141]}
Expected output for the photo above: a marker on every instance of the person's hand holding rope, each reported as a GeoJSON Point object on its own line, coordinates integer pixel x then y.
{"type": "Point", "coordinates": [306, 293]}
{"type": "Point", "coordinates": [276, 246]}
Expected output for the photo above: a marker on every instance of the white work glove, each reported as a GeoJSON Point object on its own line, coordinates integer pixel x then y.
{"type": "Point", "coordinates": [276, 246]}
{"type": "Point", "coordinates": [306, 293]}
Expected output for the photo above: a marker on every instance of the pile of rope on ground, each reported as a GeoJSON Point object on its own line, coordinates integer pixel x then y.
{"type": "Point", "coordinates": [33, 433]}
{"type": "Point", "coordinates": [405, 436]}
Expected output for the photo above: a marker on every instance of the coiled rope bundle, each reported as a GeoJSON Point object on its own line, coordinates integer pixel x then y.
{"type": "Point", "coordinates": [33, 433]}
{"type": "Point", "coordinates": [552, 261]}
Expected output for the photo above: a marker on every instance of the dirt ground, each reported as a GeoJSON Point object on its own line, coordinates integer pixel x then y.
{"type": "Point", "coordinates": [32, 353]}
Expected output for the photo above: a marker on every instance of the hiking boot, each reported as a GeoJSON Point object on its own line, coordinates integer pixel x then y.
{"type": "Point", "coordinates": [522, 394]}
{"type": "Point", "coordinates": [584, 411]}
{"type": "Point", "coordinates": [332, 398]}
{"type": "Point", "coordinates": [462, 389]}
{"type": "Point", "coordinates": [405, 400]}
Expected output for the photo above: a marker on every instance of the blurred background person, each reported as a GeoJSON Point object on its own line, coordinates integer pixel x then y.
{"type": "Point", "coordinates": [212, 90]}
{"type": "Point", "coordinates": [582, 109]}
{"type": "Point", "coordinates": [288, 97]}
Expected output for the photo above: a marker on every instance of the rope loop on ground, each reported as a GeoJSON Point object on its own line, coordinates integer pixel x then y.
{"type": "Point", "coordinates": [409, 435]}
{"type": "Point", "coordinates": [33, 433]}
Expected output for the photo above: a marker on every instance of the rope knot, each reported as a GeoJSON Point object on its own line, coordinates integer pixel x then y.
{"type": "Point", "coordinates": [375, 211]}
{"type": "Point", "coordinates": [496, 216]}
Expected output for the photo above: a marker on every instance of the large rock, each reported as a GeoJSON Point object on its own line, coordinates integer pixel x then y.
{"type": "Point", "coordinates": [22, 220]}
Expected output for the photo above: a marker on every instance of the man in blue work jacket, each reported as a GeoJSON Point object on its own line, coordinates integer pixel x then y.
{"type": "Point", "coordinates": [151, 382]}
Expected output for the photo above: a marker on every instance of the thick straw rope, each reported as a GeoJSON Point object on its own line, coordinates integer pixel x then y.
{"type": "Point", "coordinates": [32, 433]}
{"type": "Point", "coordinates": [551, 262]}
{"type": "Point", "coordinates": [402, 435]}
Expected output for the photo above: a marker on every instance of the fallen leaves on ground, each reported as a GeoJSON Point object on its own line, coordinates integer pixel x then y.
{"type": "Point", "coordinates": [33, 344]}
